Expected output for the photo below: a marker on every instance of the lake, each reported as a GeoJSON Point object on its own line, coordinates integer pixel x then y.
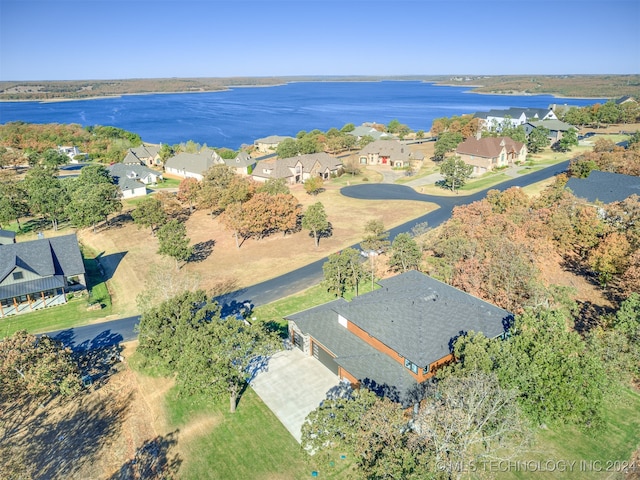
{"type": "Point", "coordinates": [238, 116]}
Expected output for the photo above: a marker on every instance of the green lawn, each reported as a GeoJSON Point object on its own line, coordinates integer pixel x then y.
{"type": "Point", "coordinates": [166, 183]}
{"type": "Point", "coordinates": [311, 297]}
{"type": "Point", "coordinates": [615, 443]}
{"type": "Point", "coordinates": [73, 313]}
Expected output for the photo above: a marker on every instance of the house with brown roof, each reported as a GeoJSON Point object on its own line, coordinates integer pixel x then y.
{"type": "Point", "coordinates": [393, 339]}
{"type": "Point", "coordinates": [297, 169]}
{"type": "Point", "coordinates": [143, 155]}
{"type": "Point", "coordinates": [489, 153]}
{"type": "Point", "coordinates": [388, 152]}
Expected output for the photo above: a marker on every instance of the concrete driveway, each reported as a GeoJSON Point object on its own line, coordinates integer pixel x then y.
{"type": "Point", "coordinates": [292, 386]}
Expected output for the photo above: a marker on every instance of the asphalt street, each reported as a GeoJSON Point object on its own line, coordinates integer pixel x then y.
{"type": "Point", "coordinates": [101, 334]}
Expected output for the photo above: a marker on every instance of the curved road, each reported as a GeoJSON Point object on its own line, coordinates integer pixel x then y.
{"type": "Point", "coordinates": [268, 291]}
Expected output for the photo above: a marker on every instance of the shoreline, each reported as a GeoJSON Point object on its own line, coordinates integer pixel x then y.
{"type": "Point", "coordinates": [472, 89]}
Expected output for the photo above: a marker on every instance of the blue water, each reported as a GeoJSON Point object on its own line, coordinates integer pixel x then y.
{"type": "Point", "coordinates": [241, 115]}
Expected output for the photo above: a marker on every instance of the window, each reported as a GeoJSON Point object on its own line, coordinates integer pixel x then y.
{"type": "Point", "coordinates": [18, 275]}
{"type": "Point", "coordinates": [425, 370]}
{"type": "Point", "coordinates": [411, 366]}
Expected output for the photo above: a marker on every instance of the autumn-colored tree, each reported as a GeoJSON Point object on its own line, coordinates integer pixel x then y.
{"type": "Point", "coordinates": [235, 218]}
{"type": "Point", "coordinates": [313, 185]}
{"type": "Point", "coordinates": [610, 257]}
{"type": "Point", "coordinates": [36, 366]}
{"type": "Point", "coordinates": [189, 192]}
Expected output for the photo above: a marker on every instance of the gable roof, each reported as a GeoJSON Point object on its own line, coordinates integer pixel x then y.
{"type": "Point", "coordinates": [282, 167]}
{"type": "Point", "coordinates": [197, 163]}
{"type": "Point", "coordinates": [605, 187]}
{"type": "Point", "coordinates": [242, 160]}
{"type": "Point", "coordinates": [488, 147]}
{"type": "Point", "coordinates": [551, 124]}
{"type": "Point", "coordinates": [272, 139]}
{"type": "Point", "coordinates": [516, 112]}
{"type": "Point", "coordinates": [368, 130]}
{"type": "Point", "coordinates": [389, 148]}
{"type": "Point", "coordinates": [45, 257]}
{"type": "Point", "coordinates": [125, 175]}
{"type": "Point", "coordinates": [415, 315]}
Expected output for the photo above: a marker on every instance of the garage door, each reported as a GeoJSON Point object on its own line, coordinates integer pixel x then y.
{"type": "Point", "coordinates": [324, 357]}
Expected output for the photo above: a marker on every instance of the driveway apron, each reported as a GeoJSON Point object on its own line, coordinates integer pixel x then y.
{"type": "Point", "coordinates": [292, 386]}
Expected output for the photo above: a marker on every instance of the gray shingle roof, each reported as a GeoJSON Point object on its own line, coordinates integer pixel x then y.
{"type": "Point", "coordinates": [120, 173]}
{"type": "Point", "coordinates": [552, 125]}
{"type": "Point", "coordinates": [45, 257]}
{"type": "Point", "coordinates": [605, 187]}
{"type": "Point", "coordinates": [413, 314]}
{"type": "Point", "coordinates": [191, 162]}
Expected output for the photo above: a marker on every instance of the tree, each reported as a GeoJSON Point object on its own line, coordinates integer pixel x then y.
{"type": "Point", "coordinates": [215, 182]}
{"type": "Point", "coordinates": [313, 185]}
{"type": "Point", "coordinates": [149, 213]}
{"type": "Point", "coordinates": [189, 192]}
{"type": "Point", "coordinates": [462, 420]}
{"type": "Point", "coordinates": [538, 140]}
{"type": "Point", "coordinates": [447, 142]}
{"type": "Point", "coordinates": [174, 241]}
{"type": "Point", "coordinates": [405, 253]}
{"type": "Point", "coordinates": [162, 332]}
{"type": "Point", "coordinates": [94, 195]}
{"type": "Point", "coordinates": [235, 218]}
{"type": "Point", "coordinates": [52, 159]}
{"type": "Point", "coordinates": [455, 172]}
{"type": "Point", "coordinates": [217, 357]}
{"type": "Point", "coordinates": [288, 148]}
{"type": "Point", "coordinates": [185, 335]}
{"type": "Point", "coordinates": [273, 186]}
{"type": "Point", "coordinates": [90, 204]}
{"type": "Point", "coordinates": [343, 271]}
{"type": "Point", "coordinates": [13, 202]}
{"type": "Point", "coordinates": [315, 220]}
{"type": "Point", "coordinates": [376, 238]}
{"type": "Point", "coordinates": [335, 422]}
{"type": "Point", "coordinates": [166, 152]}
{"type": "Point", "coordinates": [36, 366]}
{"type": "Point", "coordinates": [47, 195]}
{"type": "Point", "coordinates": [568, 140]}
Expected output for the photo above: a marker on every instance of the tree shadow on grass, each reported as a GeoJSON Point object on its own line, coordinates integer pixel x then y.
{"type": "Point", "coordinates": [62, 438]}
{"type": "Point", "coordinates": [201, 251]}
{"type": "Point", "coordinates": [154, 459]}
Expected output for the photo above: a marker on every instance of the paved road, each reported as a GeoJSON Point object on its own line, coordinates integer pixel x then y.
{"type": "Point", "coordinates": [98, 334]}
{"type": "Point", "coordinates": [309, 275]}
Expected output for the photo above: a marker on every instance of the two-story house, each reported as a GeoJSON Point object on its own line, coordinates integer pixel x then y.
{"type": "Point", "coordinates": [494, 119]}
{"type": "Point", "coordinates": [393, 339]}
{"type": "Point", "coordinates": [144, 155]}
{"type": "Point", "coordinates": [37, 273]}
{"type": "Point", "coordinates": [486, 154]}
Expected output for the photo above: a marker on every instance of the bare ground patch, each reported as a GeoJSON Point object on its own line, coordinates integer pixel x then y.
{"type": "Point", "coordinates": [127, 253]}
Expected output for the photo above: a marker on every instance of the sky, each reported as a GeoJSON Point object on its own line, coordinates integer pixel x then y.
{"type": "Point", "coordinates": [118, 39]}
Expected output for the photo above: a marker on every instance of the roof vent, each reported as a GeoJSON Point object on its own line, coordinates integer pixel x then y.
{"type": "Point", "coordinates": [432, 297]}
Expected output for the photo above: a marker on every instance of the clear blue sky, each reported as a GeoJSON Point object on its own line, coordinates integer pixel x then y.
{"type": "Point", "coordinates": [113, 39]}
